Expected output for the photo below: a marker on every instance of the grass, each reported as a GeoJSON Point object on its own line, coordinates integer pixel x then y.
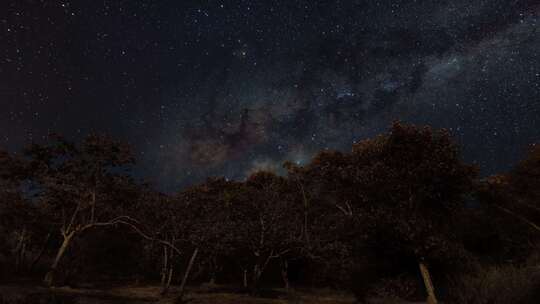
{"type": "Point", "coordinates": [499, 285]}
{"type": "Point", "coordinates": [17, 294]}
{"type": "Point", "coordinates": [227, 298]}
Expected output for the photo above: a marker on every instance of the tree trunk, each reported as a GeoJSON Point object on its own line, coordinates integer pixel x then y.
{"type": "Point", "coordinates": [169, 280]}
{"type": "Point", "coordinates": [213, 271]}
{"type": "Point", "coordinates": [49, 277]}
{"type": "Point", "coordinates": [167, 271]}
{"type": "Point", "coordinates": [164, 267]}
{"type": "Point", "coordinates": [22, 256]}
{"type": "Point", "coordinates": [41, 251]}
{"type": "Point", "coordinates": [19, 250]}
{"type": "Point", "coordinates": [93, 206]}
{"type": "Point", "coordinates": [431, 299]}
{"type": "Point", "coordinates": [259, 269]}
{"type": "Point", "coordinates": [212, 281]}
{"type": "Point", "coordinates": [186, 274]}
{"type": "Point", "coordinates": [519, 217]}
{"type": "Point", "coordinates": [245, 278]}
{"type": "Point", "coordinates": [285, 273]}
{"type": "Point", "coordinates": [256, 274]}
{"type": "Point", "coordinates": [306, 214]}
{"type": "Point", "coordinates": [167, 283]}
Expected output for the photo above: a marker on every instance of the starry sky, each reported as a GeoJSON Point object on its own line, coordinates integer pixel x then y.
{"type": "Point", "coordinates": [206, 88]}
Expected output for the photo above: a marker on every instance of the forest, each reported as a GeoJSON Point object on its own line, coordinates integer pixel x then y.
{"type": "Point", "coordinates": [399, 216]}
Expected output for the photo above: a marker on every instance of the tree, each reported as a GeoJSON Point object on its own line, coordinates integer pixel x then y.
{"type": "Point", "coordinates": [268, 223]}
{"type": "Point", "coordinates": [399, 191]}
{"type": "Point", "coordinates": [76, 182]}
{"type": "Point", "coordinates": [22, 221]}
{"type": "Point", "coordinates": [324, 191]}
{"type": "Point", "coordinates": [210, 205]}
{"type": "Point", "coordinates": [194, 221]}
{"type": "Point", "coordinates": [512, 200]}
{"type": "Point", "coordinates": [413, 182]}
{"type": "Point", "coordinates": [525, 178]}
{"type": "Point", "coordinates": [160, 224]}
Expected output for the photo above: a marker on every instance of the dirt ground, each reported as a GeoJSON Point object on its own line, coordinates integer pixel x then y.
{"type": "Point", "coordinates": [141, 294]}
{"type": "Point", "coordinates": [146, 294]}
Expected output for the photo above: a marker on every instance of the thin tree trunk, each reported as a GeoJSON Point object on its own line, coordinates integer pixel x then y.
{"type": "Point", "coordinates": [22, 255]}
{"type": "Point", "coordinates": [431, 299]}
{"type": "Point", "coordinates": [41, 251]}
{"type": "Point", "coordinates": [93, 206]}
{"type": "Point", "coordinates": [519, 217]}
{"type": "Point", "coordinates": [49, 277]}
{"type": "Point", "coordinates": [213, 271]}
{"type": "Point", "coordinates": [164, 267]}
{"type": "Point", "coordinates": [259, 269]}
{"type": "Point", "coordinates": [167, 270]}
{"type": "Point", "coordinates": [169, 279]}
{"type": "Point", "coordinates": [20, 249]}
{"type": "Point", "coordinates": [245, 278]}
{"type": "Point", "coordinates": [285, 273]}
{"type": "Point", "coordinates": [212, 281]}
{"type": "Point", "coordinates": [306, 213]}
{"type": "Point", "coordinates": [186, 274]}
{"type": "Point", "coordinates": [256, 277]}
{"type": "Point", "coordinates": [167, 283]}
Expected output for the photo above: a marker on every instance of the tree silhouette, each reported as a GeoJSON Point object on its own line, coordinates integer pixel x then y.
{"type": "Point", "coordinates": [268, 225]}
{"type": "Point", "coordinates": [76, 184]}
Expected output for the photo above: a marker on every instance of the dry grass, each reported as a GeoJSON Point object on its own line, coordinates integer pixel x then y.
{"type": "Point", "coordinates": [150, 294]}
{"type": "Point", "coordinates": [17, 294]}
{"type": "Point", "coordinates": [499, 285]}
{"type": "Point", "coordinates": [20, 294]}
{"type": "Point", "coordinates": [279, 297]}
{"type": "Point", "coordinates": [224, 298]}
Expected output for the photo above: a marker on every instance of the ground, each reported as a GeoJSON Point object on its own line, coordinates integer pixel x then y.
{"type": "Point", "coordinates": [141, 294]}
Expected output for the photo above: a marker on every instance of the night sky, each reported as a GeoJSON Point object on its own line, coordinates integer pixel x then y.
{"type": "Point", "coordinates": [203, 88]}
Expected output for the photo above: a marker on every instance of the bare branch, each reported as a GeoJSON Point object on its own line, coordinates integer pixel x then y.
{"type": "Point", "coordinates": [523, 219]}
{"type": "Point", "coordinates": [73, 216]}
{"type": "Point", "coordinates": [147, 237]}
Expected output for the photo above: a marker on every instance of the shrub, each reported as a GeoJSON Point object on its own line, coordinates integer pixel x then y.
{"type": "Point", "coordinates": [498, 285]}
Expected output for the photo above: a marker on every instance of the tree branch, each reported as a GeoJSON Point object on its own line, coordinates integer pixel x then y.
{"type": "Point", "coordinates": [73, 216]}
{"type": "Point", "coordinates": [523, 219]}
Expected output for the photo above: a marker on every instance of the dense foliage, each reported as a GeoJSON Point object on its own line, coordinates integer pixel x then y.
{"type": "Point", "coordinates": [397, 215]}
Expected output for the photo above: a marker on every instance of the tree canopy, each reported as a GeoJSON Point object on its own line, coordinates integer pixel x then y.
{"type": "Point", "coordinates": [398, 203]}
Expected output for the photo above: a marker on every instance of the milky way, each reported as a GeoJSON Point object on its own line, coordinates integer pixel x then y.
{"type": "Point", "coordinates": [229, 87]}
